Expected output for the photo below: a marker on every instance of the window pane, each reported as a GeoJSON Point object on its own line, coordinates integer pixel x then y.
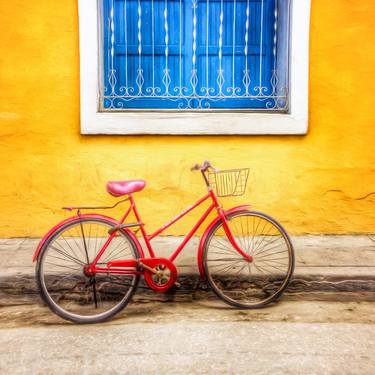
{"type": "Point", "coordinates": [194, 54]}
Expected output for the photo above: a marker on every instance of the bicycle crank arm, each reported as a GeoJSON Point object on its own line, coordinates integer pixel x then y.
{"type": "Point", "coordinates": [142, 265]}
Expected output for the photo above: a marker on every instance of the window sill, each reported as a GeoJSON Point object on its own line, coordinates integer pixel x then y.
{"type": "Point", "coordinates": [192, 123]}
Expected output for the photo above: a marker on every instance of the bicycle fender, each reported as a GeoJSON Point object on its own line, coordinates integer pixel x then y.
{"type": "Point", "coordinates": [93, 216]}
{"type": "Point", "coordinates": [205, 234]}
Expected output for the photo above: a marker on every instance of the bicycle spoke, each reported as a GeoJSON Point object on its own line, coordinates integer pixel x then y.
{"type": "Point", "coordinates": [67, 255]}
{"type": "Point", "coordinates": [110, 256]}
{"type": "Point", "coordinates": [223, 246]}
{"type": "Point", "coordinates": [267, 244]}
{"type": "Point", "coordinates": [243, 266]}
{"type": "Point", "coordinates": [225, 266]}
{"type": "Point", "coordinates": [224, 259]}
{"type": "Point", "coordinates": [272, 266]}
{"type": "Point", "coordinates": [62, 259]}
{"type": "Point", "coordinates": [266, 251]}
{"type": "Point", "coordinates": [271, 254]}
{"type": "Point", "coordinates": [62, 236]}
{"type": "Point", "coordinates": [264, 234]}
{"type": "Point", "coordinates": [60, 266]}
{"type": "Point", "coordinates": [257, 239]}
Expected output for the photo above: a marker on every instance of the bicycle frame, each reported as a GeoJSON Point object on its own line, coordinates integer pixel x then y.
{"type": "Point", "coordinates": [147, 238]}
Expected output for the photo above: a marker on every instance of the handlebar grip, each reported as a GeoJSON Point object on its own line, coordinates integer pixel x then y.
{"type": "Point", "coordinates": [195, 167]}
{"type": "Point", "coordinates": [206, 164]}
{"type": "Point", "coordinates": [204, 167]}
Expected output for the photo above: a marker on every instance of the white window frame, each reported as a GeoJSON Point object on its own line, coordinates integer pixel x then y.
{"type": "Point", "coordinates": [195, 123]}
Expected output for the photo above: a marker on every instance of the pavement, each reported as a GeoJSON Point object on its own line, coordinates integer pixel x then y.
{"type": "Point", "coordinates": [292, 337]}
{"type": "Point", "coordinates": [323, 324]}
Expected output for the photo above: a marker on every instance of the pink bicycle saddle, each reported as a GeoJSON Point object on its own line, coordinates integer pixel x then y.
{"type": "Point", "coordinates": [118, 188]}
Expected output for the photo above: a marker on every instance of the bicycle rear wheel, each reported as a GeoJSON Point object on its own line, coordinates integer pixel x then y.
{"type": "Point", "coordinates": [67, 289]}
{"type": "Point", "coordinates": [238, 282]}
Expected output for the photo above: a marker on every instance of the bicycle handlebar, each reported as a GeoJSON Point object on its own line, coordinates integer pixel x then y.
{"type": "Point", "coordinates": [203, 168]}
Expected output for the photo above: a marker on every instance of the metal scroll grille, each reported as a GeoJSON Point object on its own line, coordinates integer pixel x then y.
{"type": "Point", "coordinates": [193, 54]}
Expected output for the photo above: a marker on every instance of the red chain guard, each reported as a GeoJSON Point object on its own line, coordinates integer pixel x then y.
{"type": "Point", "coordinates": [153, 263]}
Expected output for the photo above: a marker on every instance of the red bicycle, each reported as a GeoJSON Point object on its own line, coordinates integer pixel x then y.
{"type": "Point", "coordinates": [88, 266]}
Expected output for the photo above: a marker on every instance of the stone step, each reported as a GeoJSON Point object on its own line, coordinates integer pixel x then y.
{"type": "Point", "coordinates": [344, 255]}
{"type": "Point", "coordinates": [22, 289]}
{"type": "Point", "coordinates": [327, 267]}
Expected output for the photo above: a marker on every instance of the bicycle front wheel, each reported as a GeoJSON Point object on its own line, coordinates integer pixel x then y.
{"type": "Point", "coordinates": [65, 286]}
{"type": "Point", "coordinates": [249, 284]}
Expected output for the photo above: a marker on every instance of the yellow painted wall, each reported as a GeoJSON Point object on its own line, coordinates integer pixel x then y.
{"type": "Point", "coordinates": [323, 182]}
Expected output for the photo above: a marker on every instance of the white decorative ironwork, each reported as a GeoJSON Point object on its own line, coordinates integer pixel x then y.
{"type": "Point", "coordinates": [279, 93]}
{"type": "Point", "coordinates": [139, 80]}
{"type": "Point", "coordinates": [152, 90]}
{"type": "Point", "coordinates": [246, 73]}
{"type": "Point", "coordinates": [274, 79]}
{"type": "Point", "coordinates": [188, 92]}
{"type": "Point", "coordinates": [262, 90]}
{"type": "Point", "coordinates": [153, 49]}
{"type": "Point", "coordinates": [206, 90]}
{"type": "Point", "coordinates": [112, 80]}
{"type": "Point", "coordinates": [179, 90]}
{"type": "Point", "coordinates": [234, 90]}
{"type": "Point", "coordinates": [194, 73]}
{"type": "Point", "coordinates": [126, 89]}
{"type": "Point", "coordinates": [275, 14]}
{"type": "Point", "coordinates": [166, 76]}
{"type": "Point", "coordinates": [220, 73]}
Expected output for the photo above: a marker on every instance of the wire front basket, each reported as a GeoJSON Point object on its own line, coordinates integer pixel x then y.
{"type": "Point", "coordinates": [231, 182]}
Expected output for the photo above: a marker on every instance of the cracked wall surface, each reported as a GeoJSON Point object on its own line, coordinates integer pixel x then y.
{"type": "Point", "coordinates": [323, 182]}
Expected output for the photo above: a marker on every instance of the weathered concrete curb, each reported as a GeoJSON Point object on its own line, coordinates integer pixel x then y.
{"type": "Point", "coordinates": [320, 255]}
{"type": "Point", "coordinates": [326, 267]}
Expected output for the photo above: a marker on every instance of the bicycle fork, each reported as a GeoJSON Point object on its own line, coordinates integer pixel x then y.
{"type": "Point", "coordinates": [228, 231]}
{"type": "Point", "coordinates": [233, 241]}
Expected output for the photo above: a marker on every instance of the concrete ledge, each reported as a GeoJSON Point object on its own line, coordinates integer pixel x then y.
{"type": "Point", "coordinates": [320, 255]}
{"type": "Point", "coordinates": [327, 267]}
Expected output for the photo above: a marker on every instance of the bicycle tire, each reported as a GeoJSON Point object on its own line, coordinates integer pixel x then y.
{"type": "Point", "coordinates": [113, 288]}
{"type": "Point", "coordinates": [228, 287]}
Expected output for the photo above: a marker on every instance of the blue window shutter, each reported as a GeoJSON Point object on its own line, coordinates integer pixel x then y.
{"type": "Point", "coordinates": [174, 69]}
{"type": "Point", "coordinates": [234, 35]}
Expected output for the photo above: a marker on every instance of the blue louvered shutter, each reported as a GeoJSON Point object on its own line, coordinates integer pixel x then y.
{"type": "Point", "coordinates": [145, 70]}
{"type": "Point", "coordinates": [188, 54]}
{"type": "Point", "coordinates": [234, 63]}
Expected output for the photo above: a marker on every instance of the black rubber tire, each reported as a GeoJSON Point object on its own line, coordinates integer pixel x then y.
{"type": "Point", "coordinates": [284, 285]}
{"type": "Point", "coordinates": [74, 317]}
